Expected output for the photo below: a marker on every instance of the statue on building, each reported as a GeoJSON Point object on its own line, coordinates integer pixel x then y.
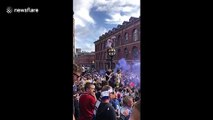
{"type": "Point", "coordinates": [110, 42]}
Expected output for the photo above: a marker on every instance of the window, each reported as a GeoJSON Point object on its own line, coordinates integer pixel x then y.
{"type": "Point", "coordinates": [119, 52]}
{"type": "Point", "coordinates": [115, 42]}
{"type": "Point", "coordinates": [135, 52]}
{"type": "Point", "coordinates": [101, 46]}
{"type": "Point", "coordinates": [105, 55]}
{"type": "Point", "coordinates": [118, 40]}
{"type": "Point", "coordinates": [105, 44]}
{"type": "Point", "coordinates": [126, 37]}
{"type": "Point", "coordinates": [126, 52]}
{"type": "Point", "coordinates": [135, 35]}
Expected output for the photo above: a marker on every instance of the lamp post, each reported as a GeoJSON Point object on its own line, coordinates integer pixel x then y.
{"type": "Point", "coordinates": [111, 53]}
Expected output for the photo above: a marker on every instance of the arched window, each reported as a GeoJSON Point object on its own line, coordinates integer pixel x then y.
{"type": "Point", "coordinates": [118, 53]}
{"type": "Point", "coordinates": [103, 45]}
{"type": "Point", "coordinates": [118, 40]}
{"type": "Point", "coordinates": [135, 35]}
{"type": "Point", "coordinates": [126, 37]}
{"type": "Point", "coordinates": [135, 53]}
{"type": "Point", "coordinates": [115, 42]}
{"type": "Point", "coordinates": [126, 52]}
{"type": "Point", "coordinates": [105, 55]}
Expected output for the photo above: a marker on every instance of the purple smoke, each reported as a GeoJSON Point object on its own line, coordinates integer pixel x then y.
{"type": "Point", "coordinates": [102, 72]}
{"type": "Point", "coordinates": [123, 65]}
{"type": "Point", "coordinates": [131, 72]}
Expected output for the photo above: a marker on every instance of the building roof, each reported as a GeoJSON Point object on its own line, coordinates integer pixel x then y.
{"type": "Point", "coordinates": [132, 19]}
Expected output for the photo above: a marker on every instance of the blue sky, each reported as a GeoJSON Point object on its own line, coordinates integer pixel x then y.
{"type": "Point", "coordinates": [95, 17]}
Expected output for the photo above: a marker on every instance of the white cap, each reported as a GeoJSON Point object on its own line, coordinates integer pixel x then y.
{"type": "Point", "coordinates": [106, 93]}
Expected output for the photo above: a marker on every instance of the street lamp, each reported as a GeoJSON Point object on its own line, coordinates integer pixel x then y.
{"type": "Point", "coordinates": [111, 53]}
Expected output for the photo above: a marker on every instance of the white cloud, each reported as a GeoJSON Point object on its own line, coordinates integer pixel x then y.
{"type": "Point", "coordinates": [81, 12]}
{"type": "Point", "coordinates": [117, 19]}
{"type": "Point", "coordinates": [80, 22]}
{"type": "Point", "coordinates": [86, 36]}
{"type": "Point", "coordinates": [119, 10]}
{"type": "Point", "coordinates": [83, 23]}
{"type": "Point", "coordinates": [128, 9]}
{"type": "Point", "coordinates": [112, 7]}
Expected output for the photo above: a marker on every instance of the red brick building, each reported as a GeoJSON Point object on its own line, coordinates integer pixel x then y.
{"type": "Point", "coordinates": [126, 43]}
{"type": "Point", "coordinates": [85, 58]}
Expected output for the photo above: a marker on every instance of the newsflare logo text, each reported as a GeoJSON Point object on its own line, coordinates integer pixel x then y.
{"type": "Point", "coordinates": [10, 10]}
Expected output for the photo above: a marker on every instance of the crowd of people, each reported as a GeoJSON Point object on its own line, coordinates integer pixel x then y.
{"type": "Point", "coordinates": [109, 96]}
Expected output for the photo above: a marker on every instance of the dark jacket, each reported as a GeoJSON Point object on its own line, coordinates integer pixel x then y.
{"type": "Point", "coordinates": [105, 112]}
{"type": "Point", "coordinates": [77, 110]}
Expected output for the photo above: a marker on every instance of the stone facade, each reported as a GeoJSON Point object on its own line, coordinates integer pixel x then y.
{"type": "Point", "coordinates": [126, 43]}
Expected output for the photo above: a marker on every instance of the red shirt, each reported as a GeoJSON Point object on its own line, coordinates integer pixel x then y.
{"type": "Point", "coordinates": [87, 106]}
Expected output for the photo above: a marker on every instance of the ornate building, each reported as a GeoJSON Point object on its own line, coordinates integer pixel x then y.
{"type": "Point", "coordinates": [85, 58]}
{"type": "Point", "coordinates": [126, 43]}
